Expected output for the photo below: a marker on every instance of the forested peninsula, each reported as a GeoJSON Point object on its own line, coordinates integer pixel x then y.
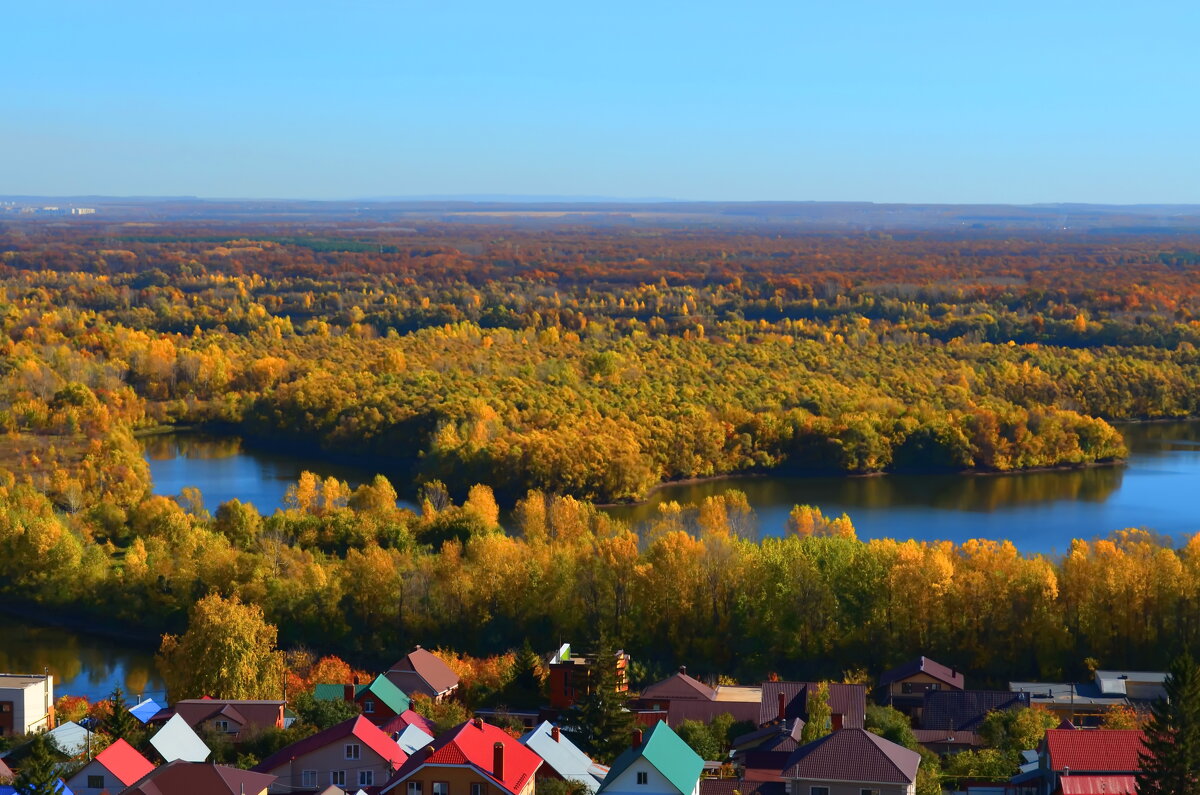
{"type": "Point", "coordinates": [553, 368]}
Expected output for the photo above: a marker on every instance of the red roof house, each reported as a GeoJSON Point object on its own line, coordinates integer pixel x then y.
{"type": "Point", "coordinates": [350, 755]}
{"type": "Point", "coordinates": [420, 671]}
{"type": "Point", "coordinates": [1094, 751]}
{"type": "Point", "coordinates": [474, 753]}
{"type": "Point", "coordinates": [404, 720]}
{"type": "Point", "coordinates": [113, 769]}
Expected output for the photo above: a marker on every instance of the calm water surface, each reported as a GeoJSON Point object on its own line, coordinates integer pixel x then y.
{"type": "Point", "coordinates": [1038, 511]}
{"type": "Point", "coordinates": [83, 665]}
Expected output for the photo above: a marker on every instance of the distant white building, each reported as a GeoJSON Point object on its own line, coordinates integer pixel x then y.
{"type": "Point", "coordinates": [83, 211]}
{"type": "Point", "coordinates": [26, 703]}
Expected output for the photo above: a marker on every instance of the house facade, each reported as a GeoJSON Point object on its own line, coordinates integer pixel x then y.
{"type": "Point", "coordinates": [474, 758]}
{"type": "Point", "coordinates": [570, 677]}
{"type": "Point", "coordinates": [350, 755]}
{"type": "Point", "coordinates": [225, 716]}
{"type": "Point", "coordinates": [26, 703]}
{"type": "Point", "coordinates": [115, 768]}
{"type": "Point", "coordinates": [657, 762]}
{"type": "Point", "coordinates": [904, 687]}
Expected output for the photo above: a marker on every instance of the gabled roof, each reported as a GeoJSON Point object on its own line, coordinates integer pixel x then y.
{"type": "Point", "coordinates": [679, 686]}
{"type": "Point", "coordinates": [959, 710]}
{"type": "Point", "coordinates": [668, 754]}
{"type": "Point", "coordinates": [1095, 751]}
{"type": "Point", "coordinates": [433, 677]}
{"type": "Point", "coordinates": [70, 738]}
{"type": "Point", "coordinates": [198, 778]}
{"type": "Point", "coordinates": [260, 713]}
{"type": "Point", "coordinates": [472, 744]}
{"type": "Point", "coordinates": [561, 755]}
{"type": "Point", "coordinates": [145, 710]}
{"type": "Point", "coordinates": [386, 691]}
{"type": "Point", "coordinates": [357, 727]}
{"type": "Point", "coordinates": [413, 739]}
{"type": "Point", "coordinates": [408, 718]}
{"type": "Point", "coordinates": [849, 701]}
{"type": "Point", "coordinates": [924, 665]}
{"type": "Point", "coordinates": [124, 762]}
{"type": "Point", "coordinates": [176, 740]}
{"type": "Point", "coordinates": [854, 755]}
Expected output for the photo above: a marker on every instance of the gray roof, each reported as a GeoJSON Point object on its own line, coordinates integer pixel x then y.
{"type": "Point", "coordinates": [176, 740]}
{"type": "Point", "coordinates": [413, 739]}
{"type": "Point", "coordinates": [1066, 693]}
{"type": "Point", "coordinates": [563, 757]}
{"type": "Point", "coordinates": [1138, 685]}
{"type": "Point", "coordinates": [70, 737]}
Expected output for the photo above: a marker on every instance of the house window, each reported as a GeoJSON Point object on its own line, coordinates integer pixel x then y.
{"type": "Point", "coordinates": [353, 751]}
{"type": "Point", "coordinates": [95, 782]}
{"type": "Point", "coordinates": [221, 726]}
{"type": "Point", "coordinates": [818, 791]}
{"type": "Point", "coordinates": [414, 788]}
{"type": "Point", "coordinates": [366, 778]}
{"type": "Point", "coordinates": [865, 791]}
{"type": "Point", "coordinates": [643, 777]}
{"type": "Point", "coordinates": [476, 788]}
{"type": "Point", "coordinates": [368, 707]}
{"type": "Point", "coordinates": [441, 788]}
{"type": "Point", "coordinates": [337, 778]}
{"type": "Point", "coordinates": [308, 778]}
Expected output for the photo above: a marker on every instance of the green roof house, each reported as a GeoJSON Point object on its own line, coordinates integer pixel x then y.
{"type": "Point", "coordinates": [379, 701]}
{"type": "Point", "coordinates": [658, 764]}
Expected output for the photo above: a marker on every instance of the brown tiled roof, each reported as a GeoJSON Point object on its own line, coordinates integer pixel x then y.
{"type": "Point", "coordinates": [429, 669]}
{"type": "Point", "coordinates": [924, 665]}
{"type": "Point", "coordinates": [679, 686]}
{"type": "Point", "coordinates": [733, 786]}
{"type": "Point", "coordinates": [849, 701]}
{"type": "Point", "coordinates": [199, 778]}
{"type": "Point", "coordinates": [942, 737]}
{"type": "Point", "coordinates": [854, 755]}
{"type": "Point", "coordinates": [705, 711]}
{"type": "Point", "coordinates": [261, 714]}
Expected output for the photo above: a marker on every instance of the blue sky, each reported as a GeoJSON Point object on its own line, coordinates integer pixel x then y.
{"type": "Point", "coordinates": [1007, 101]}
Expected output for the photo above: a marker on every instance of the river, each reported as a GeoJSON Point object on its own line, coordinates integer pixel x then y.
{"type": "Point", "coordinates": [1038, 511]}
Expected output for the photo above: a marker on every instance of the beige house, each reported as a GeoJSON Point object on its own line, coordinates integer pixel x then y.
{"type": "Point", "coordinates": [26, 703]}
{"type": "Point", "coordinates": [350, 755]}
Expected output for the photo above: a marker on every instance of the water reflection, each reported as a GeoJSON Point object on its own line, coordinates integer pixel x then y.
{"type": "Point", "coordinates": [1039, 511]}
{"type": "Point", "coordinates": [82, 665]}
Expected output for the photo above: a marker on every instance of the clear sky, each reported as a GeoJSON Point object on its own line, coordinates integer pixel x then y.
{"type": "Point", "coordinates": [1006, 101]}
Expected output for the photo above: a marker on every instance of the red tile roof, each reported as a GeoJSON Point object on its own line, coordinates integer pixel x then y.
{"type": "Point", "coordinates": [854, 755]}
{"type": "Point", "coordinates": [1095, 751]}
{"type": "Point", "coordinates": [1099, 785]}
{"type": "Point", "coordinates": [358, 727]}
{"type": "Point", "coordinates": [124, 762]}
{"type": "Point", "coordinates": [472, 743]}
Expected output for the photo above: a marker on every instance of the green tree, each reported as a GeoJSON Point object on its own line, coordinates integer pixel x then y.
{"type": "Point", "coordinates": [228, 651]}
{"type": "Point", "coordinates": [891, 724]}
{"type": "Point", "coordinates": [120, 722]}
{"type": "Point", "coordinates": [40, 771]}
{"type": "Point", "coordinates": [1171, 759]}
{"type": "Point", "coordinates": [820, 716]}
{"type": "Point", "coordinates": [984, 763]}
{"type": "Point", "coordinates": [1014, 730]}
{"type": "Point", "coordinates": [602, 724]}
{"type": "Point", "coordinates": [700, 737]}
{"type": "Point", "coordinates": [525, 688]}
{"type": "Point", "coordinates": [322, 712]}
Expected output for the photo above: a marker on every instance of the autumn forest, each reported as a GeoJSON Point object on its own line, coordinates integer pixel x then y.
{"type": "Point", "coordinates": [548, 369]}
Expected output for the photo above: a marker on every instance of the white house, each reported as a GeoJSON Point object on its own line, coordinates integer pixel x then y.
{"type": "Point", "coordinates": [26, 703]}
{"type": "Point", "coordinates": [658, 764]}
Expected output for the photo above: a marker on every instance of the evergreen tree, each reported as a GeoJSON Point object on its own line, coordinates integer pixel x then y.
{"type": "Point", "coordinates": [40, 771]}
{"type": "Point", "coordinates": [1171, 760]}
{"type": "Point", "coordinates": [120, 721]}
{"type": "Point", "coordinates": [599, 721]}
{"type": "Point", "coordinates": [525, 689]}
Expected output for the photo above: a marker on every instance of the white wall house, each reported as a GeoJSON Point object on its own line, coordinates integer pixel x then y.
{"type": "Point", "coordinates": [26, 703]}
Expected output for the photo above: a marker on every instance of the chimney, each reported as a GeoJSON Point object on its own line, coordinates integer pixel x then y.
{"type": "Point", "coordinates": [637, 737]}
{"type": "Point", "coordinates": [348, 692]}
{"type": "Point", "coordinates": [554, 733]}
{"type": "Point", "coordinates": [683, 670]}
{"type": "Point", "coordinates": [477, 723]}
{"type": "Point", "coordinates": [782, 706]}
{"type": "Point", "coordinates": [428, 750]}
{"type": "Point", "coordinates": [418, 647]}
{"type": "Point", "coordinates": [498, 761]}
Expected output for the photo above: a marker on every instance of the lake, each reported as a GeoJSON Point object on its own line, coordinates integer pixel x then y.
{"type": "Point", "coordinates": [1038, 511]}
{"type": "Point", "coordinates": [82, 665]}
